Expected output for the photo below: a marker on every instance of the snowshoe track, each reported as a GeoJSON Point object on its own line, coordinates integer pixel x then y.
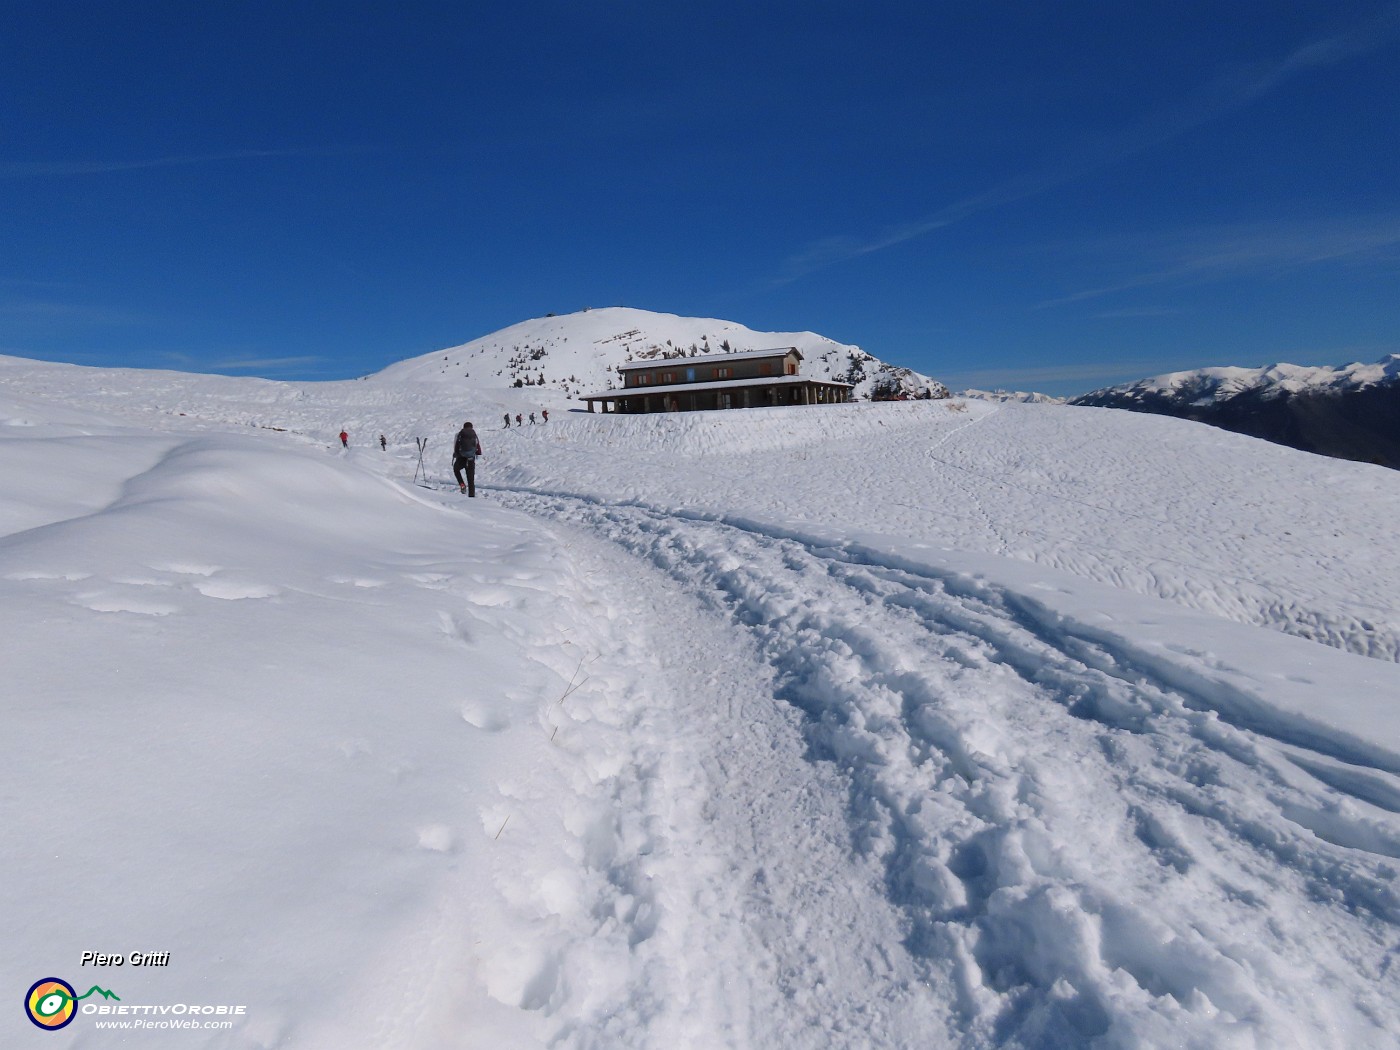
{"type": "Point", "coordinates": [1078, 848]}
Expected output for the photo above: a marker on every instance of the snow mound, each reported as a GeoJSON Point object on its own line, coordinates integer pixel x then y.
{"type": "Point", "coordinates": [558, 357]}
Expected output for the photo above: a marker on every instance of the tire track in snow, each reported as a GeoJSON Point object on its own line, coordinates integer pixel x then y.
{"type": "Point", "coordinates": [1081, 849]}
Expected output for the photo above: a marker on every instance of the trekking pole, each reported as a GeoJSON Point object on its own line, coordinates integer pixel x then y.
{"type": "Point", "coordinates": [422, 443]}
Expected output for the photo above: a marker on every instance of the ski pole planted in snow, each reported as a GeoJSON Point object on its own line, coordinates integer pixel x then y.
{"type": "Point", "coordinates": [422, 443]}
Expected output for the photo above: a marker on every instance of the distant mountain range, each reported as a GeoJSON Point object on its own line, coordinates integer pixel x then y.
{"type": "Point", "coordinates": [1020, 396]}
{"type": "Point", "coordinates": [1349, 412]}
{"type": "Point", "coordinates": [578, 353]}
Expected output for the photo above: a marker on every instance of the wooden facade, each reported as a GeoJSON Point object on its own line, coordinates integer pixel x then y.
{"type": "Point", "coordinates": [755, 379]}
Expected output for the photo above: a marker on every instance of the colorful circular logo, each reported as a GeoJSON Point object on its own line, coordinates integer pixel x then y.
{"type": "Point", "coordinates": [51, 1003]}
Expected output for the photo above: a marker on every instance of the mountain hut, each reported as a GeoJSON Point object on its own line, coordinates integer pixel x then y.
{"type": "Point", "coordinates": [754, 379]}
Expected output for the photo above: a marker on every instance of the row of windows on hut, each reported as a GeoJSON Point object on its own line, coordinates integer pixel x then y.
{"type": "Point", "coordinates": [786, 365]}
{"type": "Point", "coordinates": [746, 397]}
{"type": "Point", "coordinates": [734, 381]}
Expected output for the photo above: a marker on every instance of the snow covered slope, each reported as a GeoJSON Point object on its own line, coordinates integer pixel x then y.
{"type": "Point", "coordinates": [578, 353]}
{"type": "Point", "coordinates": [1351, 411]}
{"type": "Point", "coordinates": [909, 724]}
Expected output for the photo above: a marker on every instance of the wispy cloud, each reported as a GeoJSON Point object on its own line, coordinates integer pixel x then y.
{"type": "Point", "coordinates": [1136, 312]}
{"type": "Point", "coordinates": [1215, 253]}
{"type": "Point", "coordinates": [266, 364]}
{"type": "Point", "coordinates": [29, 283]}
{"type": "Point", "coordinates": [1213, 100]}
{"type": "Point", "coordinates": [1082, 375]}
{"type": "Point", "coordinates": [46, 310]}
{"type": "Point", "coordinates": [823, 253]}
{"type": "Point", "coordinates": [35, 169]}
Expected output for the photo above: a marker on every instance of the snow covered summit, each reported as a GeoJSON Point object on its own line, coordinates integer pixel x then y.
{"type": "Point", "coordinates": [565, 355]}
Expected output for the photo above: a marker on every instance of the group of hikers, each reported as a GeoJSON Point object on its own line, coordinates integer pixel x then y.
{"type": "Point", "coordinates": [466, 449]}
{"type": "Point", "coordinates": [345, 441]}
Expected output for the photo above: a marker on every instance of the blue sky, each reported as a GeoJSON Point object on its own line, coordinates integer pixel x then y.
{"type": "Point", "coordinates": [1049, 196]}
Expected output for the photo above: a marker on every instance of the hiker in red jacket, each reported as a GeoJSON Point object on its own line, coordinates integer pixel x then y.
{"type": "Point", "coordinates": [344, 440]}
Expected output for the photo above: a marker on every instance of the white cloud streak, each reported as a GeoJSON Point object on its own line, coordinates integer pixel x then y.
{"type": "Point", "coordinates": [1032, 378]}
{"type": "Point", "coordinates": [1213, 100]}
{"type": "Point", "coordinates": [267, 363]}
{"type": "Point", "coordinates": [38, 169]}
{"type": "Point", "coordinates": [61, 312]}
{"type": "Point", "coordinates": [1228, 251]}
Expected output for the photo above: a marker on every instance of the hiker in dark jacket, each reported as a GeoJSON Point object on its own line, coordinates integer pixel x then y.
{"type": "Point", "coordinates": [464, 452]}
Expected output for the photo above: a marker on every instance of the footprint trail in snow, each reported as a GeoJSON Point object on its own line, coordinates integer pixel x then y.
{"type": "Point", "coordinates": [1074, 848]}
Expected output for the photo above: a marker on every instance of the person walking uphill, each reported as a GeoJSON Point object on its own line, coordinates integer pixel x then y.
{"type": "Point", "coordinates": [344, 440]}
{"type": "Point", "coordinates": [464, 452]}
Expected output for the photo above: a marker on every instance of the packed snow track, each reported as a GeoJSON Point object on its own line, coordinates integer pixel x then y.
{"type": "Point", "coordinates": [1082, 847]}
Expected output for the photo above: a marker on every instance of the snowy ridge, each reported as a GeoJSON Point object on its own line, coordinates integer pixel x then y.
{"type": "Point", "coordinates": [1030, 398]}
{"type": "Point", "coordinates": [1352, 412]}
{"type": "Point", "coordinates": [1218, 384]}
{"type": "Point", "coordinates": [579, 353]}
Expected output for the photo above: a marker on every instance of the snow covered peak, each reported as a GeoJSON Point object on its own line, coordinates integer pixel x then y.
{"type": "Point", "coordinates": [568, 354]}
{"type": "Point", "coordinates": [1204, 385]}
{"type": "Point", "coordinates": [1019, 396]}
{"type": "Point", "coordinates": [1350, 412]}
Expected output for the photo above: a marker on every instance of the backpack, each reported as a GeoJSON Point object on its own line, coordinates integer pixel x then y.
{"type": "Point", "coordinates": [467, 444]}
